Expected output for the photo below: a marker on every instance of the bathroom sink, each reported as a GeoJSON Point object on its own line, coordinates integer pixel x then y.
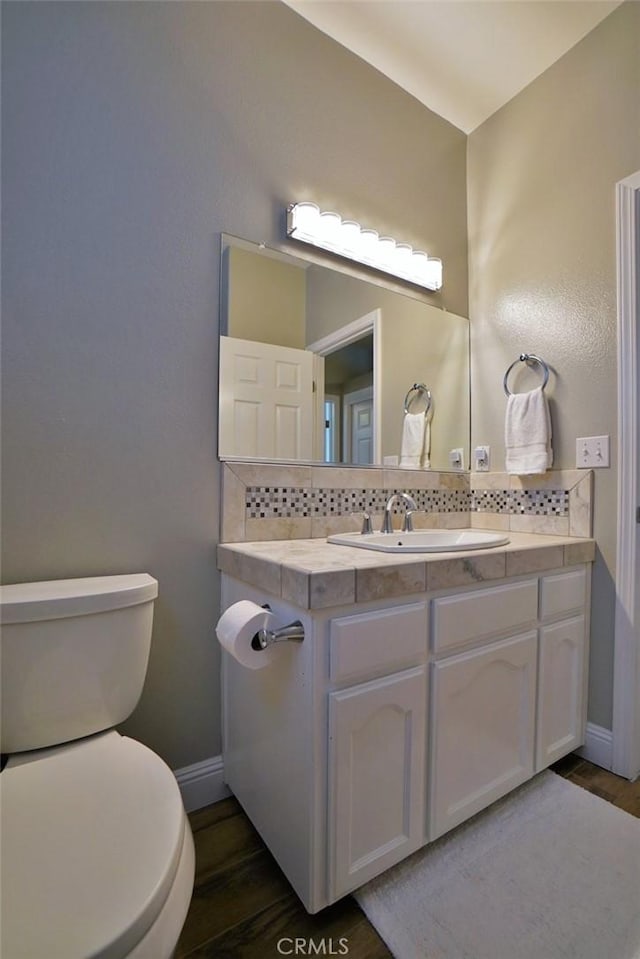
{"type": "Point", "coordinates": [422, 540]}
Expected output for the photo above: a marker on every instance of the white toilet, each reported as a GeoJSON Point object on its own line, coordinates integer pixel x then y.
{"type": "Point", "coordinates": [97, 853]}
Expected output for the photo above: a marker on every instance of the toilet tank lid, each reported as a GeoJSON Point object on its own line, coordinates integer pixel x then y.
{"type": "Point", "coordinates": [62, 598]}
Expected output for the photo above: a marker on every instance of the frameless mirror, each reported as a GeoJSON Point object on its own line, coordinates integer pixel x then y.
{"type": "Point", "coordinates": [318, 365]}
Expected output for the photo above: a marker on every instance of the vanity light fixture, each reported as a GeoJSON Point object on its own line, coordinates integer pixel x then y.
{"type": "Point", "coordinates": [306, 222]}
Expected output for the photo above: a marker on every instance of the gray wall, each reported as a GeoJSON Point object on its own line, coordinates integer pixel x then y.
{"type": "Point", "coordinates": [133, 135]}
{"type": "Point", "coordinates": [542, 175]}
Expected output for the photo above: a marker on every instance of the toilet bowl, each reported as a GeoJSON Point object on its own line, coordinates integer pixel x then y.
{"type": "Point", "coordinates": [97, 853]}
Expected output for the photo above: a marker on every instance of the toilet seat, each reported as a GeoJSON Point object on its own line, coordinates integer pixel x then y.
{"type": "Point", "coordinates": [92, 836]}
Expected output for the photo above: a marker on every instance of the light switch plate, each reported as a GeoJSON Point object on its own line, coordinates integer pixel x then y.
{"type": "Point", "coordinates": [592, 452]}
{"type": "Point", "coordinates": [482, 459]}
{"type": "Point", "coordinates": [456, 459]}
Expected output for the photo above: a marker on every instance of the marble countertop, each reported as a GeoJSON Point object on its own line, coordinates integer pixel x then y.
{"type": "Point", "coordinates": [314, 574]}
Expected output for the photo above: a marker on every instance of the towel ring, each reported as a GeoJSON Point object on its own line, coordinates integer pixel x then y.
{"type": "Point", "coordinates": [528, 358]}
{"type": "Point", "coordinates": [420, 388]}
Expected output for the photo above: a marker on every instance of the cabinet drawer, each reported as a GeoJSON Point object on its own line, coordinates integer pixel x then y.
{"type": "Point", "coordinates": [563, 592]}
{"type": "Point", "coordinates": [379, 640]}
{"type": "Point", "coordinates": [460, 619]}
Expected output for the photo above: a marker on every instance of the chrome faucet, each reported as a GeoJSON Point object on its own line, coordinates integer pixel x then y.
{"type": "Point", "coordinates": [410, 503]}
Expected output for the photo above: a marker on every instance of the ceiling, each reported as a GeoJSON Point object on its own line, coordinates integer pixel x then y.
{"type": "Point", "coordinates": [461, 58]}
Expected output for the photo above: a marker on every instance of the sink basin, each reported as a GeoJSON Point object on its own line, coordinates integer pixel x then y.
{"type": "Point", "coordinates": [422, 540]}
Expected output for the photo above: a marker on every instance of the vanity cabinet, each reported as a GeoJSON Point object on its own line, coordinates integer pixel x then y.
{"type": "Point", "coordinates": [397, 719]}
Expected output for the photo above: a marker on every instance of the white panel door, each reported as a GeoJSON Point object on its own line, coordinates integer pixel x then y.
{"type": "Point", "coordinates": [359, 427]}
{"type": "Point", "coordinates": [362, 432]}
{"type": "Point", "coordinates": [483, 725]}
{"type": "Point", "coordinates": [376, 777]}
{"type": "Point", "coordinates": [561, 714]}
{"type": "Point", "coordinates": [266, 400]}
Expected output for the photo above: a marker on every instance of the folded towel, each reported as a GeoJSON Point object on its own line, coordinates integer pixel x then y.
{"type": "Point", "coordinates": [426, 448]}
{"type": "Point", "coordinates": [527, 433]}
{"type": "Point", "coordinates": [416, 442]}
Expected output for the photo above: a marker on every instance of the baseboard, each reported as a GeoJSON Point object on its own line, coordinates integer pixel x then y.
{"type": "Point", "coordinates": [598, 747]}
{"type": "Point", "coordinates": [202, 783]}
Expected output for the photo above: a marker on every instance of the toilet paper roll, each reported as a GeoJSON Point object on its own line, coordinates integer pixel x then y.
{"type": "Point", "coordinates": [237, 627]}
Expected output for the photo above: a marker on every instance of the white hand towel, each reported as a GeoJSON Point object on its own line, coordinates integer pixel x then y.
{"type": "Point", "coordinates": [426, 447]}
{"type": "Point", "coordinates": [527, 433]}
{"type": "Point", "coordinates": [413, 441]}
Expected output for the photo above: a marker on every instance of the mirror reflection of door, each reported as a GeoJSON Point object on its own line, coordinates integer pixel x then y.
{"type": "Point", "coordinates": [358, 428]}
{"type": "Point", "coordinates": [349, 378]}
{"type": "Point", "coordinates": [266, 400]}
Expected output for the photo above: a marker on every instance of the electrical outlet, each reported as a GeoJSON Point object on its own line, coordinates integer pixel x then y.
{"type": "Point", "coordinates": [592, 451]}
{"type": "Point", "coordinates": [456, 459]}
{"type": "Point", "coordinates": [481, 458]}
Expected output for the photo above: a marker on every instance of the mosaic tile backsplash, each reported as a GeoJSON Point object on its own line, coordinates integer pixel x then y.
{"type": "Point", "coordinates": [277, 502]}
{"type": "Point", "coordinates": [267, 501]}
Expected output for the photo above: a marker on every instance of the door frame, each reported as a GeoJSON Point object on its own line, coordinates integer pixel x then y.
{"type": "Point", "coordinates": [336, 439]}
{"type": "Point", "coordinates": [369, 323]}
{"type": "Point", "coordinates": [626, 664]}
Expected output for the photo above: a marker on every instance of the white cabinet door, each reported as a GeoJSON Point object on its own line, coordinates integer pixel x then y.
{"type": "Point", "coordinates": [376, 777]}
{"type": "Point", "coordinates": [483, 726]}
{"type": "Point", "coordinates": [266, 400]}
{"type": "Point", "coordinates": [561, 694]}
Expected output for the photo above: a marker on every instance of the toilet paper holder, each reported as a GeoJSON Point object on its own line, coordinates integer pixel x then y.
{"type": "Point", "coordinates": [293, 633]}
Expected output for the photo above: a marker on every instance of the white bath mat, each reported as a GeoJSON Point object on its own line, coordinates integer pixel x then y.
{"type": "Point", "coordinates": [549, 872]}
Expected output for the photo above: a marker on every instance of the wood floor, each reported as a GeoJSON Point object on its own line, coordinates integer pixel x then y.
{"type": "Point", "coordinates": [242, 904]}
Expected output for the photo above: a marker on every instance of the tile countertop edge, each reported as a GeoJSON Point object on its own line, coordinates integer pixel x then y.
{"type": "Point", "coordinates": [265, 566]}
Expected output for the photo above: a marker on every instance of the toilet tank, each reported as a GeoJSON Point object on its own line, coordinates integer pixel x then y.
{"type": "Point", "coordinates": [74, 656]}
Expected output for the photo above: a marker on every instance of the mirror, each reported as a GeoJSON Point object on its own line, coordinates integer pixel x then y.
{"type": "Point", "coordinates": [316, 364]}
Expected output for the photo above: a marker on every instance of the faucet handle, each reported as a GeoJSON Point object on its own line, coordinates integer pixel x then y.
{"type": "Point", "coordinates": [367, 525]}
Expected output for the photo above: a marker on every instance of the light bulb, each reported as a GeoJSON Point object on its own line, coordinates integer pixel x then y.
{"type": "Point", "coordinates": [306, 219]}
{"type": "Point", "coordinates": [350, 236]}
{"type": "Point", "coordinates": [434, 273]}
{"type": "Point", "coordinates": [368, 245]}
{"type": "Point", "coordinates": [330, 224]}
{"type": "Point", "coordinates": [402, 258]}
{"type": "Point", "coordinates": [386, 252]}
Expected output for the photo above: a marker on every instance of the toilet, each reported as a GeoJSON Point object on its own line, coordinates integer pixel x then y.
{"type": "Point", "coordinates": [97, 852]}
